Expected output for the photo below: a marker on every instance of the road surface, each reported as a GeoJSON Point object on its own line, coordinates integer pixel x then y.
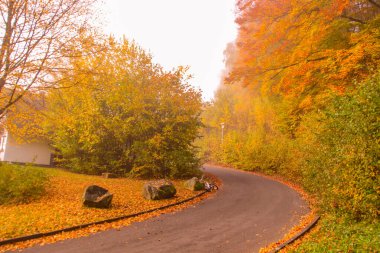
{"type": "Point", "coordinates": [247, 213]}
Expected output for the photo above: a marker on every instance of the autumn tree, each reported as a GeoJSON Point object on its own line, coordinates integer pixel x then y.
{"type": "Point", "coordinates": [124, 114]}
{"type": "Point", "coordinates": [298, 52]}
{"type": "Point", "coordinates": [34, 36]}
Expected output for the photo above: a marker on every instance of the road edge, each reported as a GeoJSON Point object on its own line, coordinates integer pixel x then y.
{"type": "Point", "coordinates": [68, 229]}
{"type": "Point", "coordinates": [297, 236]}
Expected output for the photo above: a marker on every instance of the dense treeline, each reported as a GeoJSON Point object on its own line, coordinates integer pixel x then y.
{"type": "Point", "coordinates": [300, 98]}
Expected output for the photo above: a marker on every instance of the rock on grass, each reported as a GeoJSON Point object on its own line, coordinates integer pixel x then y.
{"type": "Point", "coordinates": [96, 196]}
{"type": "Point", "coordinates": [194, 184]}
{"type": "Point", "coordinates": [161, 189]}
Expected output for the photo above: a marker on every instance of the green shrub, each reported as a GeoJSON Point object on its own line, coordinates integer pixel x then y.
{"type": "Point", "coordinates": [20, 183]}
{"type": "Point", "coordinates": [342, 164]}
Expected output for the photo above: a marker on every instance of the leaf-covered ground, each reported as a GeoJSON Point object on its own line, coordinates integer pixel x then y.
{"type": "Point", "coordinates": [62, 206]}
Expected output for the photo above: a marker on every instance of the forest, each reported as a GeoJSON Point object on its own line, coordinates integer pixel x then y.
{"type": "Point", "coordinates": [300, 98]}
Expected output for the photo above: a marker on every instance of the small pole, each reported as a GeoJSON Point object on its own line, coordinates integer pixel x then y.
{"type": "Point", "coordinates": [222, 125]}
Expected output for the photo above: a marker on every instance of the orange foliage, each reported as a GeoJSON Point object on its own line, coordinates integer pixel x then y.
{"type": "Point", "coordinates": [298, 47]}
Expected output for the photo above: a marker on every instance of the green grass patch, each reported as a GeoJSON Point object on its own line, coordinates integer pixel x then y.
{"type": "Point", "coordinates": [21, 183]}
{"type": "Point", "coordinates": [337, 234]}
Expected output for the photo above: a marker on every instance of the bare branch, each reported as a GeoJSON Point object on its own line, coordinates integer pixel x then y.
{"type": "Point", "coordinates": [353, 19]}
{"type": "Point", "coordinates": [34, 35]}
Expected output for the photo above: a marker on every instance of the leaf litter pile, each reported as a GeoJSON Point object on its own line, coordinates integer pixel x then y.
{"type": "Point", "coordinates": [61, 207]}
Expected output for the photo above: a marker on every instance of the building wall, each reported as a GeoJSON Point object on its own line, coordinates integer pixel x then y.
{"type": "Point", "coordinates": [3, 141]}
{"type": "Point", "coordinates": [37, 153]}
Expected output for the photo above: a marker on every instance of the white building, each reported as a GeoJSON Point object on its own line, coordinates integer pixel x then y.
{"type": "Point", "coordinates": [38, 152]}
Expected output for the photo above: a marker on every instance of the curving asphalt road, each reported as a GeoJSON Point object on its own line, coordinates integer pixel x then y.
{"type": "Point", "coordinates": [247, 213]}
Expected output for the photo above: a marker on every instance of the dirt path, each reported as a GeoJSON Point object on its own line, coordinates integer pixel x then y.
{"type": "Point", "coordinates": [248, 213]}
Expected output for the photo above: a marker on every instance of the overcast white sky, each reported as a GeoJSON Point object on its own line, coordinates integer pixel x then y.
{"type": "Point", "coordinates": [178, 32]}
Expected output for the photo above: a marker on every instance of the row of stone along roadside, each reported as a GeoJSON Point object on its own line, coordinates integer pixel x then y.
{"type": "Point", "coordinates": [99, 197]}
